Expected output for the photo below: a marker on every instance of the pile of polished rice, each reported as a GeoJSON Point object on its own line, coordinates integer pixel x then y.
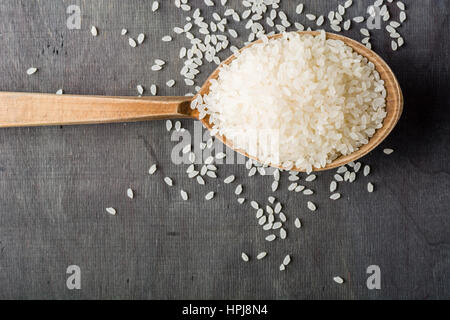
{"type": "Point", "coordinates": [316, 95]}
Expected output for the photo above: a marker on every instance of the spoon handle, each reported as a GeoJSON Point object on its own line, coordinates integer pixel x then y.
{"type": "Point", "coordinates": [34, 109]}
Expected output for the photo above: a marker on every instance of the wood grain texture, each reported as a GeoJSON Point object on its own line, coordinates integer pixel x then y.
{"type": "Point", "coordinates": [34, 109]}
{"type": "Point", "coordinates": [55, 182]}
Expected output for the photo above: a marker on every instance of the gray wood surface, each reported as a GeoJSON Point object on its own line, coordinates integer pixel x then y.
{"type": "Point", "coordinates": [56, 182]}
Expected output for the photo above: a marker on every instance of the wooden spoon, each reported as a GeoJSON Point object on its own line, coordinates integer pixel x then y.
{"type": "Point", "coordinates": [33, 109]}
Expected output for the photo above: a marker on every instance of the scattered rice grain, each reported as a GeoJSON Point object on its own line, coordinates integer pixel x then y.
{"type": "Point", "coordinates": [261, 255]}
{"type": "Point", "coordinates": [338, 280]}
{"type": "Point", "coordinates": [209, 195]}
{"type": "Point", "coordinates": [111, 211]}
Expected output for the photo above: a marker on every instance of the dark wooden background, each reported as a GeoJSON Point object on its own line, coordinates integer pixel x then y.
{"type": "Point", "coordinates": [56, 182]}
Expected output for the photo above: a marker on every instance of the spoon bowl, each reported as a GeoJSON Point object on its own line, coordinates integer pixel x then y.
{"type": "Point", "coordinates": [394, 100]}
{"type": "Point", "coordinates": [35, 109]}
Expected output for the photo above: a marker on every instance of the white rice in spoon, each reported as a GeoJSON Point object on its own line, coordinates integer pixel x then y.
{"type": "Point", "coordinates": [315, 97]}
